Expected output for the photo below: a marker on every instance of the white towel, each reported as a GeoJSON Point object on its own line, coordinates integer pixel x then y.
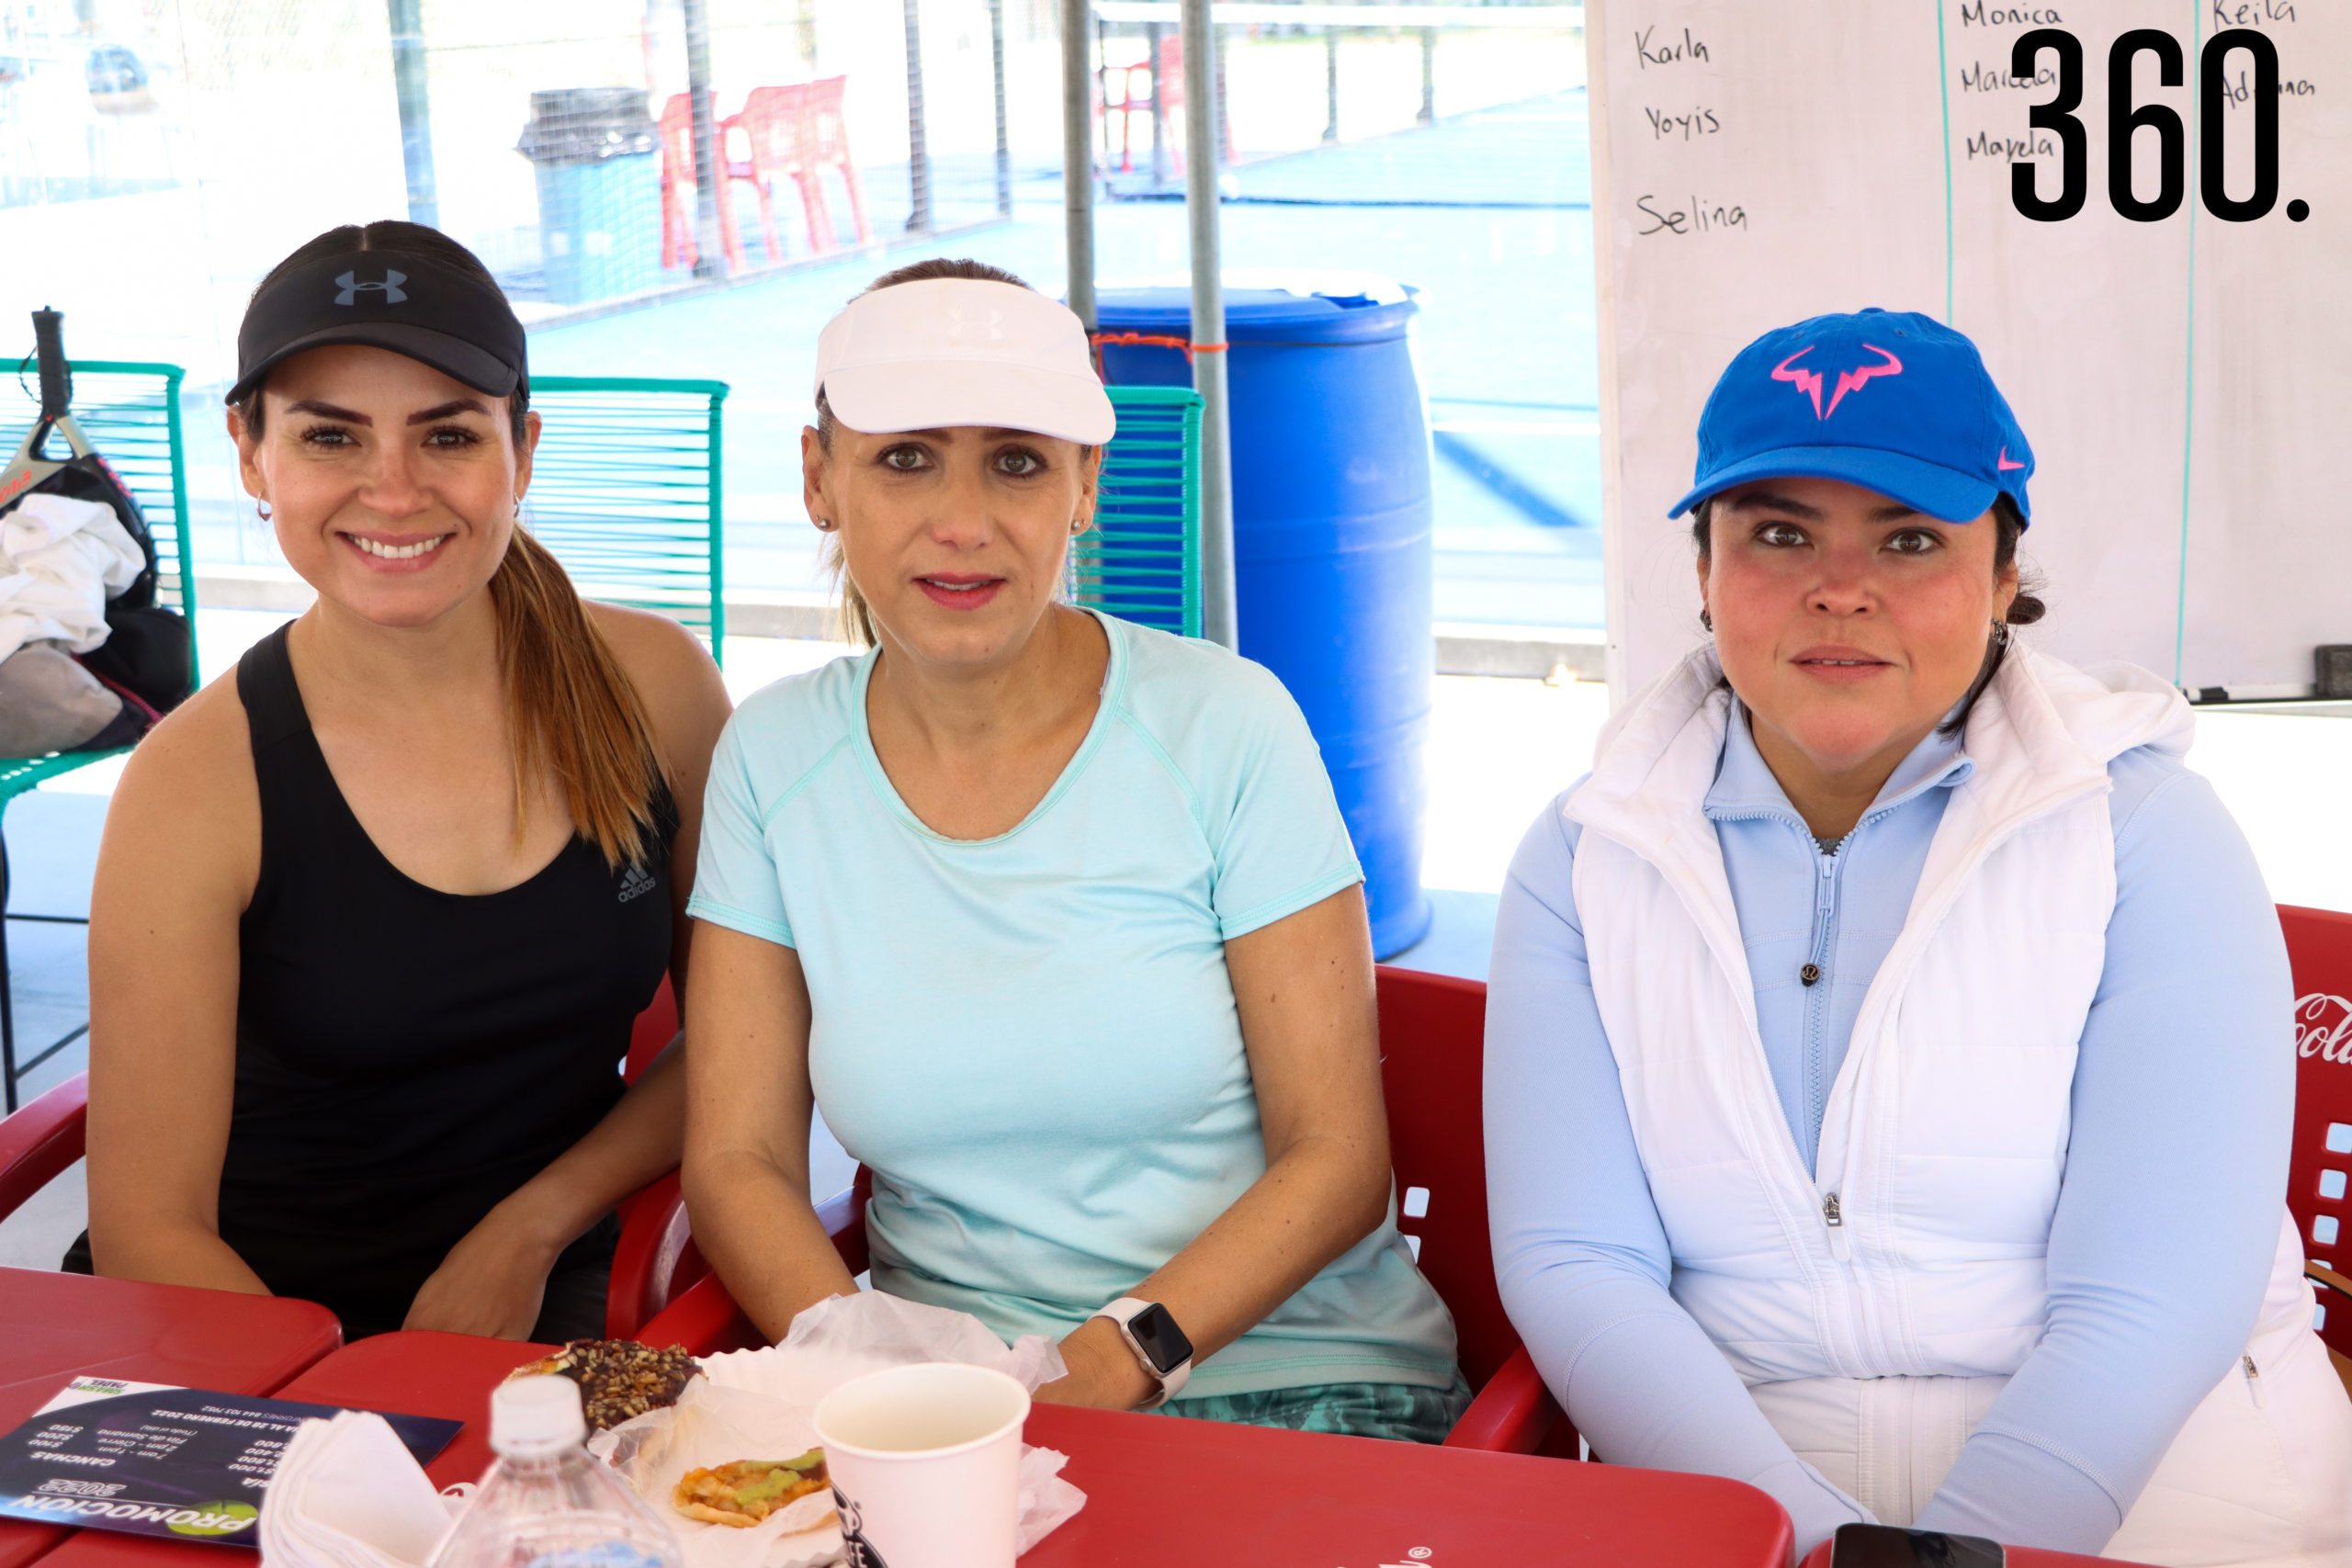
{"type": "Point", "coordinates": [60, 559]}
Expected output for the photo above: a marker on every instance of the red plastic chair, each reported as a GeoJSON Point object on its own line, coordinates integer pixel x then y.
{"type": "Point", "coordinates": [2319, 946]}
{"type": "Point", "coordinates": [775, 127]}
{"type": "Point", "coordinates": [1133, 84]}
{"type": "Point", "coordinates": [42, 1139]}
{"type": "Point", "coordinates": [1433, 1030]}
{"type": "Point", "coordinates": [1432, 1039]}
{"type": "Point", "coordinates": [679, 246]}
{"type": "Point", "coordinates": [826, 144]}
{"type": "Point", "coordinates": [1134, 98]}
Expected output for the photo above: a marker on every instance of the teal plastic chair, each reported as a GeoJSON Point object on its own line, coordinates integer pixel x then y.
{"type": "Point", "coordinates": [625, 493]}
{"type": "Point", "coordinates": [1141, 560]}
{"type": "Point", "coordinates": [131, 411]}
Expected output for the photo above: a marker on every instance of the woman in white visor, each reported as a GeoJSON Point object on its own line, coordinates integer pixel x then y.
{"type": "Point", "coordinates": [1054, 918]}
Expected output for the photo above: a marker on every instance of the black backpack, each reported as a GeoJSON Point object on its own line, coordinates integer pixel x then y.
{"type": "Point", "coordinates": [146, 652]}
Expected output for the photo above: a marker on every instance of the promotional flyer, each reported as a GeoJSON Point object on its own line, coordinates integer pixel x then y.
{"type": "Point", "coordinates": [148, 1458]}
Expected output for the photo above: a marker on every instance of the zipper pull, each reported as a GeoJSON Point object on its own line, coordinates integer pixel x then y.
{"type": "Point", "coordinates": [2254, 1382]}
{"type": "Point", "coordinates": [1835, 1219]}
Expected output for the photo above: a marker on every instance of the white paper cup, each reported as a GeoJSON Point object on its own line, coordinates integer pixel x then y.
{"type": "Point", "coordinates": [929, 1458]}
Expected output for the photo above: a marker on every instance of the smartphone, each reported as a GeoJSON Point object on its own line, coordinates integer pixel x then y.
{"type": "Point", "coordinates": [1884, 1546]}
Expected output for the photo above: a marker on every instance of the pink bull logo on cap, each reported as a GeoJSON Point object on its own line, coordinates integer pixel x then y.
{"type": "Point", "coordinates": [1809, 381]}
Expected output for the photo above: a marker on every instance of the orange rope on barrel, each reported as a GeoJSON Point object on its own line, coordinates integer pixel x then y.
{"type": "Point", "coordinates": [1151, 340]}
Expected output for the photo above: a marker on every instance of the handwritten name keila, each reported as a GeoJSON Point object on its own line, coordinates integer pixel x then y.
{"type": "Point", "coordinates": [1698, 217]}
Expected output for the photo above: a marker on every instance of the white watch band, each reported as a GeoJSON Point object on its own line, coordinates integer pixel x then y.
{"type": "Point", "coordinates": [1171, 1382]}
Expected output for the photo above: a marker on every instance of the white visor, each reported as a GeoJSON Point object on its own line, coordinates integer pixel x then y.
{"type": "Point", "coordinates": [955, 351]}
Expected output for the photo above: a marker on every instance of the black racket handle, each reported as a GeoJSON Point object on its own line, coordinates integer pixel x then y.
{"type": "Point", "coordinates": [49, 343]}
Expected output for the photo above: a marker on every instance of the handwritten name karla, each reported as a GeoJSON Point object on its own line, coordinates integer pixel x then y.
{"type": "Point", "coordinates": [1674, 52]}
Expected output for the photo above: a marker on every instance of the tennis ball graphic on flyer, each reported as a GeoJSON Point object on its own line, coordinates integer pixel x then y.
{"type": "Point", "coordinates": [218, 1519]}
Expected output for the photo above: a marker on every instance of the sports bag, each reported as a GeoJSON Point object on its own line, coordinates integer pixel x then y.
{"type": "Point", "coordinates": [146, 651]}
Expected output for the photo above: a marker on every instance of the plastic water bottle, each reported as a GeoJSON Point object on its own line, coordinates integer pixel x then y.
{"type": "Point", "coordinates": [546, 1503]}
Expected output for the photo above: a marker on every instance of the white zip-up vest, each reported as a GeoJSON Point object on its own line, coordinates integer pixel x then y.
{"type": "Point", "coordinates": [1916, 1248]}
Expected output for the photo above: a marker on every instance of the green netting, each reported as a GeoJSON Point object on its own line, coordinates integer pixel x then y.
{"type": "Point", "coordinates": [130, 412]}
{"type": "Point", "coordinates": [1141, 560]}
{"type": "Point", "coordinates": [625, 491]}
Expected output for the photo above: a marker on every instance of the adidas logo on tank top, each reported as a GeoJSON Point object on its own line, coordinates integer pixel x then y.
{"type": "Point", "coordinates": [637, 881]}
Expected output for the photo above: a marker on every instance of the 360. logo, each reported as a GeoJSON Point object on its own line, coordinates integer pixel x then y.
{"type": "Point", "coordinates": [2124, 120]}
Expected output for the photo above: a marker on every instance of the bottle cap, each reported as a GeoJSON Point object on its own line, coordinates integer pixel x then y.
{"type": "Point", "coordinates": [533, 1417]}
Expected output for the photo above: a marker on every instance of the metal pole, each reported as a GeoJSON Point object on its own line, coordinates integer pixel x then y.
{"type": "Point", "coordinates": [416, 119]}
{"type": "Point", "coordinates": [1218, 621]}
{"type": "Point", "coordinates": [1429, 77]}
{"type": "Point", "coordinates": [1153, 32]}
{"type": "Point", "coordinates": [1003, 136]}
{"type": "Point", "coordinates": [1078, 155]}
{"type": "Point", "coordinates": [1224, 114]}
{"type": "Point", "coordinates": [918, 148]}
{"type": "Point", "coordinates": [710, 254]}
{"type": "Point", "coordinates": [1331, 84]}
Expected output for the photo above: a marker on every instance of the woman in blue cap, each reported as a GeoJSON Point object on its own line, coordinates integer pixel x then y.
{"type": "Point", "coordinates": [1888, 1071]}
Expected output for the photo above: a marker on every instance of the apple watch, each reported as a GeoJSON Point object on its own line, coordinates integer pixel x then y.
{"type": "Point", "coordinates": [1151, 1333]}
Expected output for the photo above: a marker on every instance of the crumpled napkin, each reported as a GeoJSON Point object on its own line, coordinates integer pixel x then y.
{"type": "Point", "coordinates": [347, 1493]}
{"type": "Point", "coordinates": [757, 1405]}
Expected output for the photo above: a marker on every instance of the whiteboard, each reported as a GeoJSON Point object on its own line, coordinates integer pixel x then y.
{"type": "Point", "coordinates": [2186, 383]}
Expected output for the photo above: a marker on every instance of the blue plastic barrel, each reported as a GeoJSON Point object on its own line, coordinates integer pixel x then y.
{"type": "Point", "coordinates": [1331, 535]}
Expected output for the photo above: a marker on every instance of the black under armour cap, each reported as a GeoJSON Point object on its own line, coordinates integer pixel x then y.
{"type": "Point", "coordinates": [400, 301]}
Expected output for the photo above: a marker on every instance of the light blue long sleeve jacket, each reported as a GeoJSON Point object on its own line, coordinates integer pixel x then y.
{"type": "Point", "coordinates": [2176, 1173]}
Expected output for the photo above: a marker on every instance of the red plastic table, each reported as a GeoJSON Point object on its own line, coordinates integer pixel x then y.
{"type": "Point", "coordinates": [57, 1327]}
{"type": "Point", "coordinates": [1163, 1491]}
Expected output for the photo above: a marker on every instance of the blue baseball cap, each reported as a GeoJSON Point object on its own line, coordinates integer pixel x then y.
{"type": "Point", "coordinates": [1888, 400]}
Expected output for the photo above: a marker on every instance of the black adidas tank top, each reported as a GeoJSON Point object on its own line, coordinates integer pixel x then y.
{"type": "Point", "coordinates": [406, 1058]}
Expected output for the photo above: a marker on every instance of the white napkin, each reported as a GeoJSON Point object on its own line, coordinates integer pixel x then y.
{"type": "Point", "coordinates": [756, 1405]}
{"type": "Point", "coordinates": [347, 1493]}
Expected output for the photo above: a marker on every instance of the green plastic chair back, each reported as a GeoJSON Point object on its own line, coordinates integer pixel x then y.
{"type": "Point", "coordinates": [131, 411]}
{"type": "Point", "coordinates": [1141, 560]}
{"type": "Point", "coordinates": [625, 493]}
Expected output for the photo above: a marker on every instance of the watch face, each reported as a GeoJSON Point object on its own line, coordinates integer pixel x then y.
{"type": "Point", "coordinates": [1163, 1343]}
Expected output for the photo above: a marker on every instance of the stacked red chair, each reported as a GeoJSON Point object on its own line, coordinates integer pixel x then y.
{"type": "Point", "coordinates": [679, 246]}
{"type": "Point", "coordinates": [826, 146]}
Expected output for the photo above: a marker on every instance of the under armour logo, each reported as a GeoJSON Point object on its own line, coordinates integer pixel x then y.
{"type": "Point", "coordinates": [955, 324]}
{"type": "Point", "coordinates": [389, 287]}
{"type": "Point", "coordinates": [1809, 381]}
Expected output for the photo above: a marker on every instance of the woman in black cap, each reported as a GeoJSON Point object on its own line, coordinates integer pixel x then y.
{"type": "Point", "coordinates": [372, 918]}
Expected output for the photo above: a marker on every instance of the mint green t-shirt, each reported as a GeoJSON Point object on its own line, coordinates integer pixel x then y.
{"type": "Point", "coordinates": [1031, 1040]}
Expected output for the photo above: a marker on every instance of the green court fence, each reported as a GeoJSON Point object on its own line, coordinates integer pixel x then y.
{"type": "Point", "coordinates": [1141, 560]}
{"type": "Point", "coordinates": [625, 491]}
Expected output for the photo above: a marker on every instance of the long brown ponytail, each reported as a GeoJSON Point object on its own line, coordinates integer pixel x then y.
{"type": "Point", "coordinates": [571, 708]}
